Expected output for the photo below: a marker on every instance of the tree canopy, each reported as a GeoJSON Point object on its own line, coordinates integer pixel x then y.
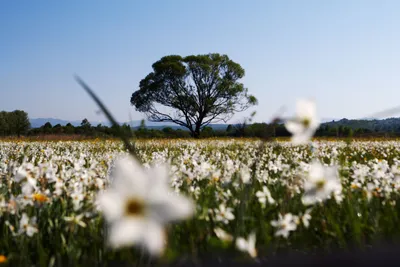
{"type": "Point", "coordinates": [193, 91]}
{"type": "Point", "coordinates": [14, 123]}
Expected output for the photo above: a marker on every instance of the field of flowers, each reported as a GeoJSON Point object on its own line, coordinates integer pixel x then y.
{"type": "Point", "coordinates": [87, 202]}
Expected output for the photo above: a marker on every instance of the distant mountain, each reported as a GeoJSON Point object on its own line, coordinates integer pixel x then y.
{"type": "Point", "coordinates": [384, 125]}
{"type": "Point", "coordinates": [36, 123]}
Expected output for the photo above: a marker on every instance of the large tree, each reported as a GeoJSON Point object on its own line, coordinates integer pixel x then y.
{"type": "Point", "coordinates": [21, 122]}
{"type": "Point", "coordinates": [193, 91]}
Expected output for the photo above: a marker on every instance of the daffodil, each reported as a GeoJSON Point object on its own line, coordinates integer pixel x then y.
{"type": "Point", "coordinates": [321, 183]}
{"type": "Point", "coordinates": [138, 203]}
{"type": "Point", "coordinates": [304, 124]}
{"type": "Point", "coordinates": [285, 224]}
{"type": "Point", "coordinates": [223, 235]}
{"type": "Point", "coordinates": [265, 195]}
{"type": "Point", "coordinates": [224, 214]}
{"type": "Point", "coordinates": [27, 225]}
{"type": "Point", "coordinates": [248, 245]}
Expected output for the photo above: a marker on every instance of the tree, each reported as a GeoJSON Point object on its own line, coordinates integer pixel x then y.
{"type": "Point", "coordinates": [69, 129]}
{"type": "Point", "coordinates": [85, 123]}
{"type": "Point", "coordinates": [197, 90]}
{"type": "Point", "coordinates": [47, 128]}
{"type": "Point", "coordinates": [57, 129]}
{"type": "Point", "coordinates": [4, 127]}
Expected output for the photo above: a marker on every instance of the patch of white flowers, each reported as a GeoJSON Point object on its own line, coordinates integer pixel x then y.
{"type": "Point", "coordinates": [138, 200]}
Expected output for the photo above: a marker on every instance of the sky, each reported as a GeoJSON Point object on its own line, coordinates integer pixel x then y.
{"type": "Point", "coordinates": [344, 54]}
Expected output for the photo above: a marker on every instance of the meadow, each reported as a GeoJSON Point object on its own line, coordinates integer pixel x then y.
{"type": "Point", "coordinates": [249, 198]}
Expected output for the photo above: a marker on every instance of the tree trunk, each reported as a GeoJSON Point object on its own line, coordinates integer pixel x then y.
{"type": "Point", "coordinates": [196, 133]}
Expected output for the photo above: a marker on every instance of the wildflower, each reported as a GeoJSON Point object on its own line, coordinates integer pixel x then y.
{"type": "Point", "coordinates": [77, 197]}
{"type": "Point", "coordinates": [138, 203]}
{"type": "Point", "coordinates": [3, 259]}
{"type": "Point", "coordinates": [285, 225]}
{"type": "Point", "coordinates": [321, 183]}
{"type": "Point", "coordinates": [10, 227]}
{"type": "Point", "coordinates": [26, 227]}
{"type": "Point", "coordinates": [77, 219]}
{"type": "Point", "coordinates": [265, 195]}
{"type": "Point", "coordinates": [224, 214]}
{"type": "Point", "coordinates": [248, 245]}
{"type": "Point", "coordinates": [245, 174]}
{"type": "Point", "coordinates": [304, 125]}
{"type": "Point", "coordinates": [306, 217]}
{"type": "Point", "coordinates": [221, 234]}
{"type": "Point", "coordinates": [39, 197]}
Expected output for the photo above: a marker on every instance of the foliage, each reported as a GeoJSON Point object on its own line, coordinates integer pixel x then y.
{"type": "Point", "coordinates": [14, 123]}
{"type": "Point", "coordinates": [199, 89]}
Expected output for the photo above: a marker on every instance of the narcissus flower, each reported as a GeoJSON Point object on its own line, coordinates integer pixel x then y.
{"type": "Point", "coordinates": [321, 183]}
{"type": "Point", "coordinates": [248, 245]}
{"type": "Point", "coordinates": [265, 195]}
{"type": "Point", "coordinates": [221, 234]}
{"type": "Point", "coordinates": [39, 197]}
{"type": "Point", "coordinates": [27, 225]}
{"type": "Point", "coordinates": [285, 224]}
{"type": "Point", "coordinates": [305, 123]}
{"type": "Point", "coordinates": [138, 203]}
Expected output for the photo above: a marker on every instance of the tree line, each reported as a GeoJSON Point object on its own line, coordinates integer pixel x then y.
{"type": "Point", "coordinates": [14, 123]}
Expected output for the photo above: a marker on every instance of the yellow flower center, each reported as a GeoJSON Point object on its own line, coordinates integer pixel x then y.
{"type": "Point", "coordinates": [40, 197]}
{"type": "Point", "coordinates": [320, 184]}
{"type": "Point", "coordinates": [134, 207]}
{"type": "Point", "coordinates": [306, 122]}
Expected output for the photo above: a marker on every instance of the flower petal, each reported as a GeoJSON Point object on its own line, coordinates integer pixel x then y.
{"type": "Point", "coordinates": [111, 204]}
{"type": "Point", "coordinates": [168, 206]}
{"type": "Point", "coordinates": [129, 177]}
{"type": "Point", "coordinates": [154, 238]}
{"type": "Point", "coordinates": [126, 232]}
{"type": "Point", "coordinates": [294, 127]}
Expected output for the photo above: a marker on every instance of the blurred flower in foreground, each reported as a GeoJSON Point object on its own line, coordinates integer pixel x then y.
{"type": "Point", "coordinates": [248, 245]}
{"type": "Point", "coordinates": [285, 224]}
{"type": "Point", "coordinates": [321, 183]}
{"type": "Point", "coordinates": [3, 259]}
{"type": "Point", "coordinates": [138, 203]}
{"type": "Point", "coordinates": [304, 125]}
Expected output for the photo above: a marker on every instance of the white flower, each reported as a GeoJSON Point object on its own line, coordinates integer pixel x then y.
{"type": "Point", "coordinates": [221, 234]}
{"type": "Point", "coordinates": [248, 245]}
{"type": "Point", "coordinates": [77, 198]}
{"type": "Point", "coordinates": [306, 218]}
{"type": "Point", "coordinates": [265, 195]}
{"type": "Point", "coordinates": [304, 125]}
{"type": "Point", "coordinates": [26, 227]}
{"type": "Point", "coordinates": [245, 174]}
{"type": "Point", "coordinates": [77, 219]}
{"type": "Point", "coordinates": [321, 183]}
{"type": "Point", "coordinates": [285, 225]}
{"type": "Point", "coordinates": [138, 203]}
{"type": "Point", "coordinates": [224, 214]}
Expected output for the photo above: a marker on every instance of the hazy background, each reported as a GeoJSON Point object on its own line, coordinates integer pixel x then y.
{"type": "Point", "coordinates": [344, 54]}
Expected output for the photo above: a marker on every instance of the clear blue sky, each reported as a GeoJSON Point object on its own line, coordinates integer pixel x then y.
{"type": "Point", "coordinates": [344, 53]}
